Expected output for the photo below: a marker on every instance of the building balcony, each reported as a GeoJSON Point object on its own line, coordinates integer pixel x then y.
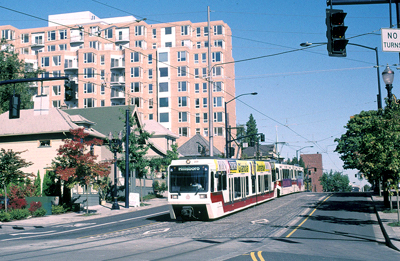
{"type": "Point", "coordinates": [117, 80]}
{"type": "Point", "coordinates": [77, 40]}
{"type": "Point", "coordinates": [37, 44]}
{"type": "Point", "coordinates": [121, 39]}
{"type": "Point", "coordinates": [70, 65]}
{"type": "Point", "coordinates": [117, 94]}
{"type": "Point", "coordinates": [117, 64]}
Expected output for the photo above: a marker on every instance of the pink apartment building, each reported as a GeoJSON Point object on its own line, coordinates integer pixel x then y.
{"type": "Point", "coordinates": [162, 69]}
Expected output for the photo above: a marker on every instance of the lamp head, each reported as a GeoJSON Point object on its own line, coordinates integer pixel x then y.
{"type": "Point", "coordinates": [388, 75]}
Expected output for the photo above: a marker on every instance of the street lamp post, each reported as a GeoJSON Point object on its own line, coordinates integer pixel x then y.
{"type": "Point", "coordinates": [297, 151]}
{"type": "Point", "coordinates": [307, 44]}
{"type": "Point", "coordinates": [115, 146]}
{"type": "Point", "coordinates": [388, 76]}
{"type": "Point", "coordinates": [227, 143]}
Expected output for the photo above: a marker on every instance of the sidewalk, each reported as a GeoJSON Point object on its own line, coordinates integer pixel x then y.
{"type": "Point", "coordinates": [391, 234]}
{"type": "Point", "coordinates": [76, 217]}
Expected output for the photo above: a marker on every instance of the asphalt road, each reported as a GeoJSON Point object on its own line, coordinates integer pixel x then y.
{"type": "Point", "coordinates": [302, 226]}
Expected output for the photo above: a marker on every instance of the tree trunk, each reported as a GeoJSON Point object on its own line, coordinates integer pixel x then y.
{"type": "Point", "coordinates": [385, 191]}
{"type": "Point", "coordinates": [87, 199]}
{"type": "Point", "coordinates": [398, 207]}
{"type": "Point", "coordinates": [141, 198]}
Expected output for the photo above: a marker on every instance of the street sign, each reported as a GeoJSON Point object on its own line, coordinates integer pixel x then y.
{"type": "Point", "coordinates": [390, 39]}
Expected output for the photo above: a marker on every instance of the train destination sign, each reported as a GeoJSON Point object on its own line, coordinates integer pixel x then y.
{"type": "Point", "coordinates": [390, 39]}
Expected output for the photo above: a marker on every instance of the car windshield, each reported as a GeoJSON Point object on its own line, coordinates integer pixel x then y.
{"type": "Point", "coordinates": [188, 179]}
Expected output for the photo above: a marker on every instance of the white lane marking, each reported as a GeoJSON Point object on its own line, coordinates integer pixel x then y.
{"type": "Point", "coordinates": [155, 231]}
{"type": "Point", "coordinates": [32, 233]}
{"type": "Point", "coordinates": [260, 221]}
{"type": "Point", "coordinates": [82, 228]}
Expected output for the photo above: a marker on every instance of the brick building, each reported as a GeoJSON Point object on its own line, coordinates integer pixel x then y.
{"type": "Point", "coordinates": [162, 69]}
{"type": "Point", "coordinates": [313, 163]}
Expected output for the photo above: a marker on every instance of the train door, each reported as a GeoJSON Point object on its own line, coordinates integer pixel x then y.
{"type": "Point", "coordinates": [231, 190]}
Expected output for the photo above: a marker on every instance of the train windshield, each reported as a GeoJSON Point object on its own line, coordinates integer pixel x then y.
{"type": "Point", "coordinates": [188, 179]}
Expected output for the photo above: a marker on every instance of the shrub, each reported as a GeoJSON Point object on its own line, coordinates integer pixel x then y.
{"type": "Point", "coordinates": [18, 203]}
{"type": "Point", "coordinates": [56, 210]}
{"type": "Point", "coordinates": [4, 216]}
{"type": "Point", "coordinates": [35, 206]}
{"type": "Point", "coordinates": [40, 212]}
{"type": "Point", "coordinates": [19, 213]}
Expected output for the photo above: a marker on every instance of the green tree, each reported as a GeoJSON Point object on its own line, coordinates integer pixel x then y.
{"type": "Point", "coordinates": [335, 182]}
{"type": "Point", "coordinates": [76, 163]}
{"type": "Point", "coordinates": [371, 145]}
{"type": "Point", "coordinates": [138, 147]}
{"type": "Point", "coordinates": [38, 185]}
{"type": "Point", "coordinates": [51, 184]}
{"type": "Point", "coordinates": [11, 164]}
{"type": "Point", "coordinates": [11, 67]}
{"type": "Point", "coordinates": [251, 129]}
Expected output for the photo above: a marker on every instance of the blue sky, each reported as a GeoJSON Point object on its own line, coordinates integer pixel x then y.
{"type": "Point", "coordinates": [304, 97]}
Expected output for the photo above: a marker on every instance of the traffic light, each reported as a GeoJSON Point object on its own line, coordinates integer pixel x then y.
{"type": "Point", "coordinates": [336, 32]}
{"type": "Point", "coordinates": [15, 105]}
{"type": "Point", "coordinates": [69, 92]}
{"type": "Point", "coordinates": [262, 137]}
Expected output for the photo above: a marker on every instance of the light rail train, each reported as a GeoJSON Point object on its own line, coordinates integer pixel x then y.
{"type": "Point", "coordinates": [209, 188]}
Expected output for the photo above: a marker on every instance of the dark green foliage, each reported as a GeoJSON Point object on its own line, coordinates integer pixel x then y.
{"type": "Point", "coordinates": [51, 184]}
{"type": "Point", "coordinates": [335, 182]}
{"type": "Point", "coordinates": [251, 129]}
{"type": "Point", "coordinates": [38, 185]}
{"type": "Point", "coordinates": [56, 210]}
{"type": "Point", "coordinates": [40, 212]}
{"type": "Point", "coordinates": [19, 214]}
{"type": "Point", "coordinates": [4, 216]}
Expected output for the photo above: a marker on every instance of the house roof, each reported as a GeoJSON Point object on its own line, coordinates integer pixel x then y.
{"type": "Point", "coordinates": [264, 149]}
{"type": "Point", "coordinates": [190, 147]}
{"type": "Point", "coordinates": [111, 119]}
{"type": "Point", "coordinates": [55, 121]}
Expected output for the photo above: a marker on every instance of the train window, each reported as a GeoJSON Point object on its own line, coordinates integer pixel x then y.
{"type": "Point", "coordinates": [237, 187]}
{"type": "Point", "coordinates": [212, 181]}
{"type": "Point", "coordinates": [222, 182]}
{"type": "Point", "coordinates": [253, 184]}
{"type": "Point", "coordinates": [266, 181]}
{"type": "Point", "coordinates": [278, 175]}
{"type": "Point", "coordinates": [259, 183]}
{"type": "Point", "coordinates": [273, 175]}
{"type": "Point", "coordinates": [247, 186]}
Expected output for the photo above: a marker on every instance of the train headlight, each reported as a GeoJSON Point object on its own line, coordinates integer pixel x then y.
{"type": "Point", "coordinates": [203, 196]}
{"type": "Point", "coordinates": [174, 196]}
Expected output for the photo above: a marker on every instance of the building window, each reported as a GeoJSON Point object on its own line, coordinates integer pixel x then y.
{"type": "Point", "coordinates": [25, 38]}
{"type": "Point", "coordinates": [182, 101]}
{"type": "Point", "coordinates": [56, 73]}
{"type": "Point", "coordinates": [89, 73]}
{"type": "Point", "coordinates": [182, 86]}
{"type": "Point", "coordinates": [216, 57]}
{"type": "Point", "coordinates": [198, 45]}
{"type": "Point", "coordinates": [168, 30]}
{"type": "Point", "coordinates": [164, 117]}
{"type": "Point", "coordinates": [168, 44]}
{"type": "Point", "coordinates": [163, 87]}
{"type": "Point", "coordinates": [205, 44]}
{"type": "Point", "coordinates": [217, 87]}
{"type": "Point", "coordinates": [150, 73]}
{"type": "Point", "coordinates": [163, 72]}
{"type": "Point", "coordinates": [197, 103]}
{"type": "Point", "coordinates": [102, 74]}
{"type": "Point", "coordinates": [217, 71]}
{"type": "Point", "coordinates": [151, 116]}
{"type": "Point", "coordinates": [88, 58]}
{"type": "Point", "coordinates": [204, 72]}
{"type": "Point", "coordinates": [150, 88]}
{"type": "Point", "coordinates": [45, 61]}
{"type": "Point", "coordinates": [150, 59]}
{"type": "Point", "coordinates": [182, 117]}
{"type": "Point", "coordinates": [198, 132]}
{"type": "Point", "coordinates": [94, 45]}
{"type": "Point", "coordinates": [205, 117]}
{"type": "Point", "coordinates": [102, 89]}
{"type": "Point", "coordinates": [217, 101]}
{"type": "Point", "coordinates": [154, 45]}
{"type": "Point", "coordinates": [151, 103]}
{"type": "Point", "coordinates": [51, 48]}
{"type": "Point", "coordinates": [163, 57]}
{"type": "Point", "coordinates": [181, 56]}
{"type": "Point", "coordinates": [135, 101]}
{"type": "Point", "coordinates": [205, 132]}
{"type": "Point", "coordinates": [57, 60]}
{"type": "Point", "coordinates": [204, 57]}
{"type": "Point", "coordinates": [163, 102]}
{"type": "Point", "coordinates": [103, 103]}
{"type": "Point", "coordinates": [183, 131]}
{"type": "Point", "coordinates": [135, 72]}
{"type": "Point", "coordinates": [51, 36]}
{"type": "Point", "coordinates": [89, 102]}
{"type": "Point", "coordinates": [182, 70]}
{"type": "Point", "coordinates": [108, 33]}
{"type": "Point", "coordinates": [197, 117]}
{"type": "Point", "coordinates": [219, 43]}
{"type": "Point", "coordinates": [135, 57]}
{"type": "Point", "coordinates": [185, 29]}
{"type": "Point", "coordinates": [217, 116]}
{"type": "Point", "coordinates": [56, 103]}
{"type": "Point", "coordinates": [205, 31]}
{"type": "Point", "coordinates": [62, 34]}
{"type": "Point", "coordinates": [56, 90]}
{"type": "Point", "coordinates": [205, 87]}
{"type": "Point", "coordinates": [44, 143]}
{"type": "Point", "coordinates": [62, 47]}
{"type": "Point", "coordinates": [196, 72]}
{"type": "Point", "coordinates": [218, 30]}
{"type": "Point", "coordinates": [139, 30]}
{"type": "Point", "coordinates": [205, 102]}
{"type": "Point", "coordinates": [135, 86]}
{"type": "Point", "coordinates": [154, 32]}
{"type": "Point", "coordinates": [198, 31]}
{"type": "Point", "coordinates": [89, 88]}
{"type": "Point", "coordinates": [196, 88]}
{"type": "Point", "coordinates": [196, 58]}
{"type": "Point", "coordinates": [102, 59]}
{"type": "Point", "coordinates": [218, 131]}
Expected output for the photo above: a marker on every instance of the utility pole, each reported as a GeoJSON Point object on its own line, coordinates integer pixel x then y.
{"type": "Point", "coordinates": [210, 109]}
